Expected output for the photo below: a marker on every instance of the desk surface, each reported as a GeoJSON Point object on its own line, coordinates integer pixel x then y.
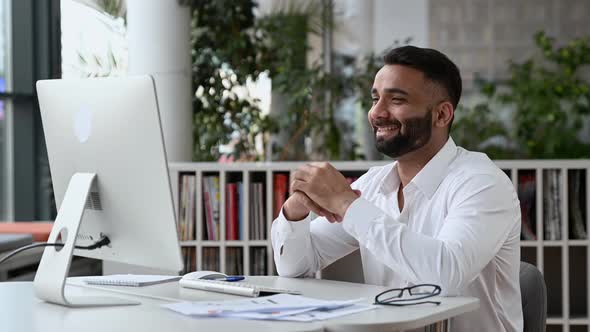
{"type": "Point", "coordinates": [20, 310]}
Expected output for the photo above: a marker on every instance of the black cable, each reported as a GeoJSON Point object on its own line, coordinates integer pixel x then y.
{"type": "Point", "coordinates": [100, 243]}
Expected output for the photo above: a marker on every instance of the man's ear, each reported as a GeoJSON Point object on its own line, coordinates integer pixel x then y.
{"type": "Point", "coordinates": [443, 114]}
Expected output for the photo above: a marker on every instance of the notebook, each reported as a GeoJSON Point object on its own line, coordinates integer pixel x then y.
{"type": "Point", "coordinates": [133, 280]}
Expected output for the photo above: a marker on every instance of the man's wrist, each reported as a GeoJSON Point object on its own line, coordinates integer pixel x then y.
{"type": "Point", "coordinates": [290, 216]}
{"type": "Point", "coordinates": [345, 201]}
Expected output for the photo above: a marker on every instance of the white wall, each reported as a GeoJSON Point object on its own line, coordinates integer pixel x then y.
{"type": "Point", "coordinates": [399, 19]}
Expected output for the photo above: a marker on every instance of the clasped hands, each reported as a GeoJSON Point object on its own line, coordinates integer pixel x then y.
{"type": "Point", "coordinates": [320, 188]}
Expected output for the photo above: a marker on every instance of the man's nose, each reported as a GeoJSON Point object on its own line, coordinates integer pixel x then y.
{"type": "Point", "coordinates": [378, 111]}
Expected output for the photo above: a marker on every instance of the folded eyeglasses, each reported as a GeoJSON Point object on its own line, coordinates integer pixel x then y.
{"type": "Point", "coordinates": [415, 295]}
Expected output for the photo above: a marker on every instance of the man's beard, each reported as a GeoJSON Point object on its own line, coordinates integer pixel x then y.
{"type": "Point", "coordinates": [412, 134]}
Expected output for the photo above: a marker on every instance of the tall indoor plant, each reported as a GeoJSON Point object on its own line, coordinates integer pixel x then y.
{"type": "Point", "coordinates": [549, 101]}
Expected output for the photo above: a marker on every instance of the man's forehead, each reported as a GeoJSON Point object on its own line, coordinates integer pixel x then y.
{"type": "Point", "coordinates": [392, 78]}
{"type": "Point", "coordinates": [399, 73]}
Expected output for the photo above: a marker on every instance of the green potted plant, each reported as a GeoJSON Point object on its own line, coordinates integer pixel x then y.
{"type": "Point", "coordinates": [549, 101]}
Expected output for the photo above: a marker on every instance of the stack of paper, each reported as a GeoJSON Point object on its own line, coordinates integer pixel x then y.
{"type": "Point", "coordinates": [277, 307]}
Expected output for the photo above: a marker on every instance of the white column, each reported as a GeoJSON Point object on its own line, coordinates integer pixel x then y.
{"type": "Point", "coordinates": [158, 33]}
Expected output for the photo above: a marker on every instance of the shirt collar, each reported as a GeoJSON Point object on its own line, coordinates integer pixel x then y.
{"type": "Point", "coordinates": [429, 177]}
{"type": "Point", "coordinates": [391, 181]}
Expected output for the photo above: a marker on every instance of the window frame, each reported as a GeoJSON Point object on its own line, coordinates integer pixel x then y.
{"type": "Point", "coordinates": [34, 54]}
{"type": "Point", "coordinates": [7, 167]}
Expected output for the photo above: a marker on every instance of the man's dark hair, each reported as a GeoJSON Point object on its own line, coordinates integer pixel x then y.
{"type": "Point", "coordinates": [436, 67]}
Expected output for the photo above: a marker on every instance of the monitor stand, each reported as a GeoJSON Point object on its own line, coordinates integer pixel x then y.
{"type": "Point", "coordinates": [51, 275]}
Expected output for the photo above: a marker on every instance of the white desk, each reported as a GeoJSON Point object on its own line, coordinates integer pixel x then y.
{"type": "Point", "coordinates": [20, 310]}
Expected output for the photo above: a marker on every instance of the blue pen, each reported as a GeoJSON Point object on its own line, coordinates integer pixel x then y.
{"type": "Point", "coordinates": [234, 278]}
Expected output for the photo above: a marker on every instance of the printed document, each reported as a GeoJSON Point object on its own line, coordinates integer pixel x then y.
{"type": "Point", "coordinates": [276, 307]}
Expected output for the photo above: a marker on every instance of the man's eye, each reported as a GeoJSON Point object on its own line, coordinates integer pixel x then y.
{"type": "Point", "coordinates": [375, 100]}
{"type": "Point", "coordinates": [398, 100]}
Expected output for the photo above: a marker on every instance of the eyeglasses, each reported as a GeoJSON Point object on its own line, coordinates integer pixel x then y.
{"type": "Point", "coordinates": [416, 293]}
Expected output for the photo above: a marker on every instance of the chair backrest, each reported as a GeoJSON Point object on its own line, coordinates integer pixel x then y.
{"type": "Point", "coordinates": [533, 293]}
{"type": "Point", "coordinates": [348, 268]}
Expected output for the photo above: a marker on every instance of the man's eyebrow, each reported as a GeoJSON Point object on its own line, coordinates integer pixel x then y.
{"type": "Point", "coordinates": [391, 91]}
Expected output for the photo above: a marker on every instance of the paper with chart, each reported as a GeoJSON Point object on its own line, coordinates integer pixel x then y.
{"type": "Point", "coordinates": [276, 307]}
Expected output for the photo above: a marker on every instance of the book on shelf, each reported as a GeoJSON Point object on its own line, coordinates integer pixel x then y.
{"type": "Point", "coordinates": [527, 194]}
{"type": "Point", "coordinates": [191, 215]}
{"type": "Point", "coordinates": [211, 259]}
{"type": "Point", "coordinates": [232, 213]}
{"type": "Point", "coordinates": [257, 227]}
{"type": "Point", "coordinates": [261, 215]}
{"type": "Point", "coordinates": [253, 213]}
{"type": "Point", "coordinates": [280, 192]}
{"type": "Point", "coordinates": [189, 255]}
{"type": "Point", "coordinates": [186, 210]}
{"type": "Point", "coordinates": [258, 261]}
{"type": "Point", "coordinates": [182, 202]}
{"type": "Point", "coordinates": [577, 199]}
{"type": "Point", "coordinates": [552, 204]}
{"type": "Point", "coordinates": [240, 210]}
{"type": "Point", "coordinates": [234, 261]}
{"type": "Point", "coordinates": [211, 201]}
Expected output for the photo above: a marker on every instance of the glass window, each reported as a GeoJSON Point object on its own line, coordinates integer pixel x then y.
{"type": "Point", "coordinates": [5, 103]}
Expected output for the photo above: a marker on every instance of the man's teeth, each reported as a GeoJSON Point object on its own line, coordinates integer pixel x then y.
{"type": "Point", "coordinates": [385, 129]}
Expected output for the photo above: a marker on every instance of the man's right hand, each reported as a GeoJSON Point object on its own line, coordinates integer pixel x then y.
{"type": "Point", "coordinates": [298, 206]}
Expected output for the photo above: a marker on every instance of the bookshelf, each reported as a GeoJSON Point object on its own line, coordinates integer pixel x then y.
{"type": "Point", "coordinates": [554, 204]}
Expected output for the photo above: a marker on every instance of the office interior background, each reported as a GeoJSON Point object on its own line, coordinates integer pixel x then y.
{"type": "Point", "coordinates": [273, 80]}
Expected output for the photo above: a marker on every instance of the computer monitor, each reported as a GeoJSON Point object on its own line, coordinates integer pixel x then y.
{"type": "Point", "coordinates": [110, 177]}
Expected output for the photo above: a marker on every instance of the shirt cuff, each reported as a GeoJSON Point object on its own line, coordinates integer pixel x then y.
{"type": "Point", "coordinates": [359, 217]}
{"type": "Point", "coordinates": [286, 227]}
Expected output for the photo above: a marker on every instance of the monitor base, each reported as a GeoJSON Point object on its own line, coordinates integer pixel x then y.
{"type": "Point", "coordinates": [51, 275]}
{"type": "Point", "coordinates": [96, 301]}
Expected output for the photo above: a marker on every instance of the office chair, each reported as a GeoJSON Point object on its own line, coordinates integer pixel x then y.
{"type": "Point", "coordinates": [348, 268]}
{"type": "Point", "coordinates": [533, 293]}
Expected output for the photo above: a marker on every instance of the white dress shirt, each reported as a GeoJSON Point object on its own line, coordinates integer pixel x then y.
{"type": "Point", "coordinates": [459, 228]}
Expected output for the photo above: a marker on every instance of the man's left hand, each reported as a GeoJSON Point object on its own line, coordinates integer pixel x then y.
{"type": "Point", "coordinates": [326, 186]}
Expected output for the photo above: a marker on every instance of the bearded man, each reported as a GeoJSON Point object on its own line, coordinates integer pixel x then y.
{"type": "Point", "coordinates": [438, 215]}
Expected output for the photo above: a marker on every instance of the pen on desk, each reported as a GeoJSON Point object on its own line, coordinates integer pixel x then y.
{"type": "Point", "coordinates": [234, 278]}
